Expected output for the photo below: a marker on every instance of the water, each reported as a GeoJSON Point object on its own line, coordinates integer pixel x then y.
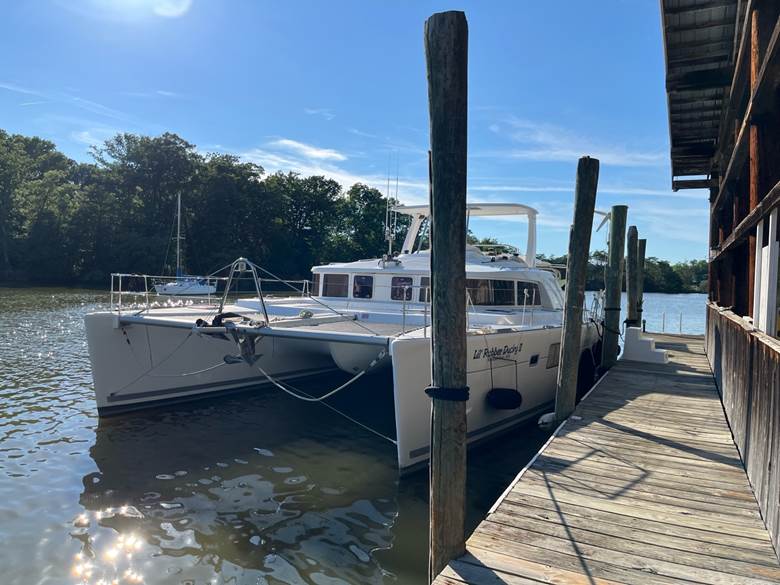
{"type": "Point", "coordinates": [663, 312]}
{"type": "Point", "coordinates": [249, 488]}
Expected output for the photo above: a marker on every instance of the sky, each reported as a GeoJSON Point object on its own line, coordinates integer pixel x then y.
{"type": "Point", "coordinates": [338, 88]}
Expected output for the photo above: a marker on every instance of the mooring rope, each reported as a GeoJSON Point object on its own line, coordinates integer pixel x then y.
{"type": "Point", "coordinates": [301, 395]}
{"type": "Point", "coordinates": [306, 397]}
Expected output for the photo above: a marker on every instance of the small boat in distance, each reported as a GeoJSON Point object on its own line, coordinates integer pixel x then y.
{"type": "Point", "coordinates": [184, 285]}
{"type": "Point", "coordinates": [367, 317]}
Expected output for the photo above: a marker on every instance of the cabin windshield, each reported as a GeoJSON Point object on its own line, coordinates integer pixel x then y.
{"type": "Point", "coordinates": [490, 292]}
{"type": "Point", "coordinates": [528, 294]}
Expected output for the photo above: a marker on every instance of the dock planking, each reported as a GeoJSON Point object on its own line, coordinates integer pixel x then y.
{"type": "Point", "coordinates": [642, 484]}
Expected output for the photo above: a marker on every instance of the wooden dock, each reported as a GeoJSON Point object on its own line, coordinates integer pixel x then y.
{"type": "Point", "coordinates": [641, 485]}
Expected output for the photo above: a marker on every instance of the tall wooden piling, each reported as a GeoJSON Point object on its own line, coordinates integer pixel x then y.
{"type": "Point", "coordinates": [617, 243]}
{"type": "Point", "coordinates": [576, 276]}
{"type": "Point", "coordinates": [640, 278]}
{"type": "Point", "coordinates": [446, 52]}
{"type": "Point", "coordinates": [632, 292]}
{"type": "Point", "coordinates": [754, 143]}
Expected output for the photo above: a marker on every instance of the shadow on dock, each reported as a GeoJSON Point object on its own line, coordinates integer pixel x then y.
{"type": "Point", "coordinates": [642, 484]}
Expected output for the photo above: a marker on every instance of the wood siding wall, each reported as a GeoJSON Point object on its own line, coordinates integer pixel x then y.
{"type": "Point", "coordinates": [746, 366]}
{"type": "Point", "coordinates": [746, 165]}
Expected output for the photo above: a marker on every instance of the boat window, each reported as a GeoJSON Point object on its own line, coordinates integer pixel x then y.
{"type": "Point", "coordinates": [528, 294]}
{"type": "Point", "coordinates": [335, 285]}
{"type": "Point", "coordinates": [490, 292]}
{"type": "Point", "coordinates": [362, 286]}
{"type": "Point", "coordinates": [315, 285]}
{"type": "Point", "coordinates": [425, 289]}
{"type": "Point", "coordinates": [553, 355]}
{"type": "Point", "coordinates": [401, 288]}
{"type": "Point", "coordinates": [503, 292]}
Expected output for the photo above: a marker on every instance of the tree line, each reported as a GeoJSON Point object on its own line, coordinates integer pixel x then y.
{"type": "Point", "coordinates": [63, 221]}
{"type": "Point", "coordinates": [689, 276]}
{"type": "Point", "coordinates": [69, 222]}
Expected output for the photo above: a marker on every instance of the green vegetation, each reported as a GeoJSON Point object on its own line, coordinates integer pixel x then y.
{"type": "Point", "coordinates": [660, 276]}
{"type": "Point", "coordinates": [67, 222]}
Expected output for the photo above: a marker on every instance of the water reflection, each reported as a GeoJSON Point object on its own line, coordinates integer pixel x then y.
{"type": "Point", "coordinates": [249, 488]}
{"type": "Point", "coordinates": [256, 480]}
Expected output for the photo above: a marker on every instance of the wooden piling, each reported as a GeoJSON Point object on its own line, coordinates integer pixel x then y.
{"type": "Point", "coordinates": [446, 52]}
{"type": "Point", "coordinates": [754, 142]}
{"type": "Point", "coordinates": [640, 278]}
{"type": "Point", "coordinates": [617, 242]}
{"type": "Point", "coordinates": [576, 276]}
{"type": "Point", "coordinates": [632, 293]}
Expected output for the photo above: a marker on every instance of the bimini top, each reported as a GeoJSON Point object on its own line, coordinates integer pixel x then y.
{"type": "Point", "coordinates": [421, 213]}
{"type": "Point", "coordinates": [473, 209]}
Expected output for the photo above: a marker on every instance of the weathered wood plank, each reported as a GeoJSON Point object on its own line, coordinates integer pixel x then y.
{"type": "Point", "coordinates": [580, 548]}
{"type": "Point", "coordinates": [649, 500]}
{"type": "Point", "coordinates": [643, 484]}
{"type": "Point", "coordinates": [561, 512]}
{"type": "Point", "coordinates": [614, 488]}
{"type": "Point", "coordinates": [541, 521]}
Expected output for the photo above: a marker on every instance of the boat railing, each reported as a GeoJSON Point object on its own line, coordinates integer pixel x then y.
{"type": "Point", "coordinates": [136, 293]}
{"type": "Point", "coordinates": [497, 248]}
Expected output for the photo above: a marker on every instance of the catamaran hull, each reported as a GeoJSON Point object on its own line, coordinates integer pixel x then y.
{"type": "Point", "coordinates": [140, 365]}
{"type": "Point", "coordinates": [524, 361]}
{"type": "Point", "coordinates": [137, 366]}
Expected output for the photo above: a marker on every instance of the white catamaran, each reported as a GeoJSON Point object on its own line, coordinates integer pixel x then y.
{"type": "Point", "coordinates": [369, 317]}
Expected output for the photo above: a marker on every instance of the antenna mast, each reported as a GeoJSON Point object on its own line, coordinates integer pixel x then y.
{"type": "Point", "coordinates": [178, 235]}
{"type": "Point", "coordinates": [389, 232]}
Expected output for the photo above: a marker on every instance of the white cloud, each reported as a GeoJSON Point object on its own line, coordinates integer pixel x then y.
{"type": "Point", "coordinates": [151, 94]}
{"type": "Point", "coordinates": [307, 150]}
{"type": "Point", "coordinates": [550, 143]}
{"type": "Point", "coordinates": [326, 113]}
{"type": "Point", "coordinates": [357, 132]}
{"type": "Point", "coordinates": [19, 89]}
{"type": "Point", "coordinates": [171, 8]}
{"type": "Point", "coordinates": [93, 136]}
{"type": "Point", "coordinates": [96, 108]}
{"type": "Point", "coordinates": [280, 157]}
{"type": "Point", "coordinates": [605, 189]}
{"type": "Point", "coordinates": [127, 10]}
{"type": "Point", "coordinates": [67, 99]}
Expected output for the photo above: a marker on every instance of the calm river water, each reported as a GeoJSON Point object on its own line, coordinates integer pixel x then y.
{"type": "Point", "coordinates": [250, 488]}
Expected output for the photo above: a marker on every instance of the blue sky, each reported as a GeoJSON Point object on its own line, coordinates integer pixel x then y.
{"type": "Point", "coordinates": [338, 88]}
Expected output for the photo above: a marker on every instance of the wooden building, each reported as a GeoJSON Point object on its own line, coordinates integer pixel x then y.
{"type": "Point", "coordinates": [722, 77]}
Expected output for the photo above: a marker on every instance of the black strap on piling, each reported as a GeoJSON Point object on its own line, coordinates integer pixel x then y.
{"type": "Point", "coordinates": [611, 309]}
{"type": "Point", "coordinates": [453, 394]}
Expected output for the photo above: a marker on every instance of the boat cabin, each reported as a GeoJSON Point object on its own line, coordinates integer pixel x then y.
{"type": "Point", "coordinates": [497, 275]}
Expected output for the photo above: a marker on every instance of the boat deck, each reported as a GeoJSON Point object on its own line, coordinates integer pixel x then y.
{"type": "Point", "coordinates": [642, 484]}
{"type": "Point", "coordinates": [185, 317]}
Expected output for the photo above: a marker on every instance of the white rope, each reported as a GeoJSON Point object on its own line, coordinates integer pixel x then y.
{"type": "Point", "coordinates": [360, 424]}
{"type": "Point", "coordinates": [185, 374]}
{"type": "Point", "coordinates": [154, 367]}
{"type": "Point", "coordinates": [297, 393]}
{"type": "Point", "coordinates": [306, 397]}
